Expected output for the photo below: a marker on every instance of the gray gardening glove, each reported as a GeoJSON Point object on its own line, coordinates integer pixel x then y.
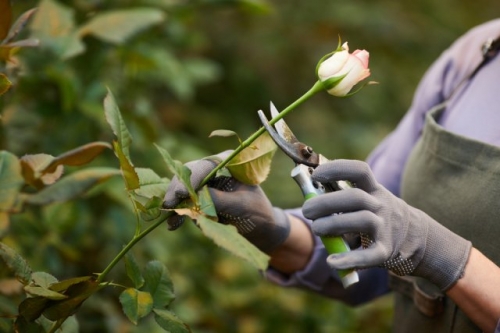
{"type": "Point", "coordinates": [244, 206]}
{"type": "Point", "coordinates": [394, 235]}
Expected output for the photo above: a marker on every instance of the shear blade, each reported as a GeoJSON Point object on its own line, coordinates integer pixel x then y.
{"type": "Point", "coordinates": [282, 128]}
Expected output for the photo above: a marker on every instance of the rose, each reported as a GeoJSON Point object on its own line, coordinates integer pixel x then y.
{"type": "Point", "coordinates": [343, 70]}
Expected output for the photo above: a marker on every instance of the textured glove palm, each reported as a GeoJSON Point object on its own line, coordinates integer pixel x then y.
{"type": "Point", "coordinates": [244, 206]}
{"type": "Point", "coordinates": [394, 234]}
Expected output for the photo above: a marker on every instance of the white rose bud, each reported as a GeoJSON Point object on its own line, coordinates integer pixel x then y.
{"type": "Point", "coordinates": [343, 70]}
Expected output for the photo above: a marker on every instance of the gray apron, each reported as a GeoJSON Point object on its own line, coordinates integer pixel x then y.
{"type": "Point", "coordinates": [456, 180]}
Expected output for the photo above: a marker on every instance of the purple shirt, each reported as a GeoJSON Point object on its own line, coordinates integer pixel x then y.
{"type": "Point", "coordinates": [473, 111]}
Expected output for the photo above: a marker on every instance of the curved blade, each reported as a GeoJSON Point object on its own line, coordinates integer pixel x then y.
{"type": "Point", "coordinates": [281, 127]}
{"type": "Point", "coordinates": [295, 150]}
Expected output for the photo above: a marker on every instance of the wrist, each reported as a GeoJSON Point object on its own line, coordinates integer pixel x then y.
{"type": "Point", "coordinates": [294, 253]}
{"type": "Point", "coordinates": [445, 256]}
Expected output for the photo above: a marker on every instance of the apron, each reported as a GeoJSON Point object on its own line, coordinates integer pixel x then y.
{"type": "Point", "coordinates": [455, 180]}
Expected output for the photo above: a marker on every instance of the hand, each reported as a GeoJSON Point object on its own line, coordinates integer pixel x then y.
{"type": "Point", "coordinates": [394, 235]}
{"type": "Point", "coordinates": [244, 206]}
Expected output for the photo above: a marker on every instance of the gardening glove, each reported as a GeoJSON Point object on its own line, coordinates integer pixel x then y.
{"type": "Point", "coordinates": [394, 235]}
{"type": "Point", "coordinates": [244, 206]}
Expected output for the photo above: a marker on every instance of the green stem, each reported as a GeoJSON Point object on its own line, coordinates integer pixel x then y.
{"type": "Point", "coordinates": [131, 244]}
{"type": "Point", "coordinates": [318, 86]}
{"type": "Point", "coordinates": [138, 236]}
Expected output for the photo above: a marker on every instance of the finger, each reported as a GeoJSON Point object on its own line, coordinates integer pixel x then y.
{"type": "Point", "coordinates": [339, 224]}
{"type": "Point", "coordinates": [175, 221]}
{"type": "Point", "coordinates": [177, 191]}
{"type": "Point", "coordinates": [348, 200]}
{"type": "Point", "coordinates": [359, 258]}
{"type": "Point", "coordinates": [355, 171]}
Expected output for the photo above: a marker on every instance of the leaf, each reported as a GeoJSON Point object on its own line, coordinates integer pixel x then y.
{"type": "Point", "coordinates": [5, 84]}
{"type": "Point", "coordinates": [43, 279]}
{"type": "Point", "coordinates": [124, 140]}
{"type": "Point", "coordinates": [4, 224]}
{"type": "Point", "coordinates": [119, 25]}
{"type": "Point", "coordinates": [77, 294]}
{"type": "Point", "coordinates": [11, 180]}
{"type": "Point", "coordinates": [158, 283]}
{"type": "Point", "coordinates": [72, 186]}
{"type": "Point", "coordinates": [252, 165]}
{"type": "Point", "coordinates": [136, 304]}
{"type": "Point", "coordinates": [53, 24]}
{"type": "Point", "coordinates": [23, 325]}
{"type": "Point", "coordinates": [133, 270]}
{"type": "Point", "coordinates": [32, 167]}
{"type": "Point", "coordinates": [170, 322]}
{"type": "Point", "coordinates": [227, 237]}
{"type": "Point", "coordinates": [223, 133]}
{"type": "Point", "coordinates": [32, 308]}
{"type": "Point", "coordinates": [150, 184]}
{"type": "Point", "coordinates": [45, 293]}
{"type": "Point", "coordinates": [117, 124]}
{"type": "Point", "coordinates": [65, 284]}
{"type": "Point", "coordinates": [15, 263]}
{"type": "Point", "coordinates": [78, 156]}
{"type": "Point", "coordinates": [19, 25]}
{"type": "Point", "coordinates": [179, 170]}
{"type": "Point", "coordinates": [5, 18]}
{"type": "Point", "coordinates": [128, 171]}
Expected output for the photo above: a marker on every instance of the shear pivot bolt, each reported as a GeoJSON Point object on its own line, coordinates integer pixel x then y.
{"type": "Point", "coordinates": [307, 151]}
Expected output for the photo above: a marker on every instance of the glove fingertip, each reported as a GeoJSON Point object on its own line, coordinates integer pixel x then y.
{"type": "Point", "coordinates": [174, 222]}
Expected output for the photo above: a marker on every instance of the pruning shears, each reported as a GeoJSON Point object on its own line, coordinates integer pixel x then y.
{"type": "Point", "coordinates": [306, 159]}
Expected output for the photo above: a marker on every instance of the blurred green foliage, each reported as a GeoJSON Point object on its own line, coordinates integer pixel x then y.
{"type": "Point", "coordinates": [206, 65]}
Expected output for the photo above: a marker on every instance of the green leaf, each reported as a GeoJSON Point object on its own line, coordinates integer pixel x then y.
{"type": "Point", "coordinates": [65, 284]}
{"type": "Point", "coordinates": [119, 25]}
{"type": "Point", "coordinates": [206, 204]}
{"type": "Point", "coordinates": [128, 171]}
{"type": "Point", "coordinates": [72, 186]}
{"type": "Point", "coordinates": [158, 283]}
{"type": "Point", "coordinates": [15, 263]}
{"type": "Point", "coordinates": [5, 84]}
{"type": "Point", "coordinates": [150, 184]}
{"type": "Point", "coordinates": [70, 325]}
{"type": "Point", "coordinates": [252, 165]}
{"type": "Point", "coordinates": [43, 279]}
{"type": "Point", "coordinates": [223, 133]}
{"type": "Point", "coordinates": [227, 237]}
{"type": "Point", "coordinates": [151, 210]}
{"type": "Point", "coordinates": [11, 180]}
{"type": "Point", "coordinates": [124, 140]}
{"type": "Point", "coordinates": [5, 18]}
{"type": "Point", "coordinates": [117, 124]}
{"type": "Point", "coordinates": [45, 293]}
{"type": "Point", "coordinates": [133, 270]}
{"type": "Point", "coordinates": [179, 170]}
{"type": "Point", "coordinates": [136, 304]}
{"type": "Point", "coordinates": [54, 26]}
{"type": "Point", "coordinates": [170, 322]}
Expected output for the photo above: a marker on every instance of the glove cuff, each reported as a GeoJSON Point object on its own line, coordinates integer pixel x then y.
{"type": "Point", "coordinates": [275, 234]}
{"type": "Point", "coordinates": [445, 257]}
